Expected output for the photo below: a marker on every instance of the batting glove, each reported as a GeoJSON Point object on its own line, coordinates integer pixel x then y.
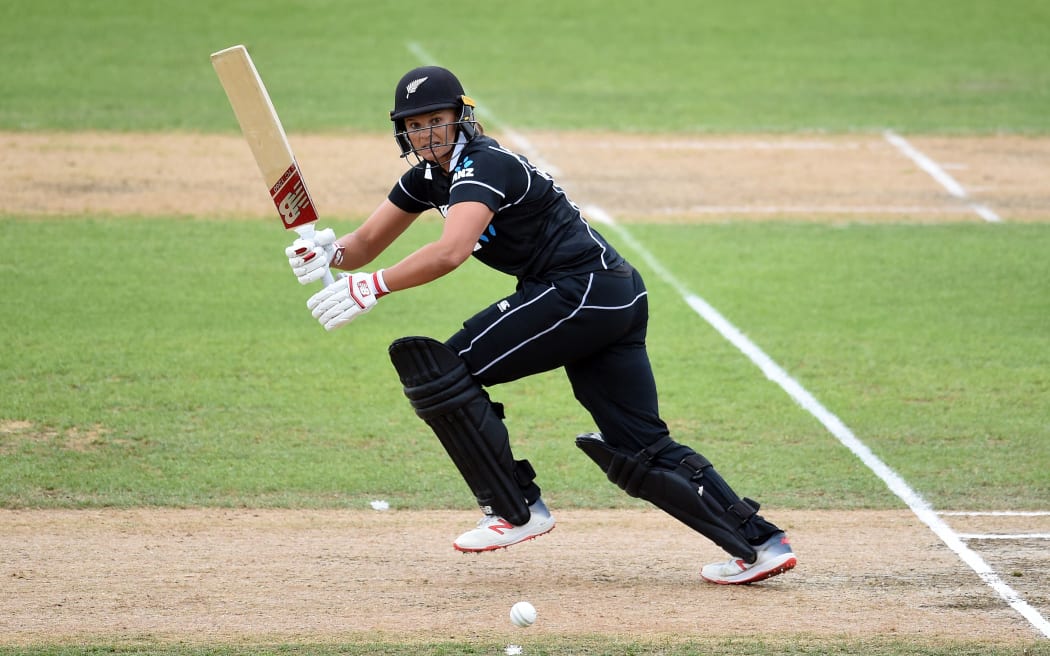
{"type": "Point", "coordinates": [309, 257]}
{"type": "Point", "coordinates": [352, 295]}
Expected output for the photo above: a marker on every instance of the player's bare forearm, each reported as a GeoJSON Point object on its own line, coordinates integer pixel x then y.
{"type": "Point", "coordinates": [425, 265]}
{"type": "Point", "coordinates": [463, 226]}
{"type": "Point", "coordinates": [357, 249]}
{"type": "Point", "coordinates": [351, 253]}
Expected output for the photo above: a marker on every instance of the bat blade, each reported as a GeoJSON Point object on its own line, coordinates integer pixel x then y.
{"type": "Point", "coordinates": [267, 139]}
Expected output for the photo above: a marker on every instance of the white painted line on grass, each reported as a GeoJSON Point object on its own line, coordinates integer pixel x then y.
{"type": "Point", "coordinates": [721, 144]}
{"type": "Point", "coordinates": [811, 209]}
{"type": "Point", "coordinates": [926, 164]}
{"type": "Point", "coordinates": [836, 427]}
{"type": "Point", "coordinates": [985, 213]}
{"type": "Point", "coordinates": [1004, 536]}
{"type": "Point", "coordinates": [938, 173]}
{"type": "Point", "coordinates": [997, 513]}
{"type": "Point", "coordinates": [794, 389]}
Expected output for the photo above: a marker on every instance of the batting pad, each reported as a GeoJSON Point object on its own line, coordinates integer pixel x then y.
{"type": "Point", "coordinates": [692, 493]}
{"type": "Point", "coordinates": [468, 424]}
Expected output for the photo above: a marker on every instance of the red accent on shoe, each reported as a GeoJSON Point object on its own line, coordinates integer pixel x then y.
{"type": "Point", "coordinates": [497, 547]}
{"type": "Point", "coordinates": [760, 576]}
{"type": "Point", "coordinates": [500, 526]}
{"type": "Point", "coordinates": [788, 564]}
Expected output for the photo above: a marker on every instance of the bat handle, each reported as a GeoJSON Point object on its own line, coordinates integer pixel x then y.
{"type": "Point", "coordinates": [307, 232]}
{"type": "Point", "coordinates": [328, 278]}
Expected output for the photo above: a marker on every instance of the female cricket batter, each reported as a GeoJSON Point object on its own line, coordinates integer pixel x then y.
{"type": "Point", "coordinates": [578, 304]}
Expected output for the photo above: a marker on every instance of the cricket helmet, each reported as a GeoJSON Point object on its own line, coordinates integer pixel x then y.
{"type": "Point", "coordinates": [428, 89]}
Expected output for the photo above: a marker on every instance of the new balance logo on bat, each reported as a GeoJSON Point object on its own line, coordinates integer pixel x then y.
{"type": "Point", "coordinates": [293, 203]}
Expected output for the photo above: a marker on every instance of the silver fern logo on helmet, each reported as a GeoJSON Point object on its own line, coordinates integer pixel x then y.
{"type": "Point", "coordinates": [427, 91]}
{"type": "Point", "coordinates": [414, 85]}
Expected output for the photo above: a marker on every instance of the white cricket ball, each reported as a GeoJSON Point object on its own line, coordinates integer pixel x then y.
{"type": "Point", "coordinates": [523, 614]}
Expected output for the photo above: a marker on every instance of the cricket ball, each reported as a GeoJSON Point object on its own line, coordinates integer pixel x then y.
{"type": "Point", "coordinates": [522, 614]}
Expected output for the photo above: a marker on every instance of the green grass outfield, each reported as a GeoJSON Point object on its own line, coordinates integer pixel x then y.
{"type": "Point", "coordinates": [157, 361]}
{"type": "Point", "coordinates": [663, 65]}
{"type": "Point", "coordinates": [206, 382]}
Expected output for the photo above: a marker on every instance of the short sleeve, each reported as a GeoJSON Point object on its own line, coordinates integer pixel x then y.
{"type": "Point", "coordinates": [409, 193]}
{"type": "Point", "coordinates": [486, 177]}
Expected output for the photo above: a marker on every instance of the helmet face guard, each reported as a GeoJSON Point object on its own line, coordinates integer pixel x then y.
{"type": "Point", "coordinates": [428, 89]}
{"type": "Point", "coordinates": [465, 125]}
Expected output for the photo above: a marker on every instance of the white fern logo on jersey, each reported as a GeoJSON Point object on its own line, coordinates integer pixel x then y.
{"type": "Point", "coordinates": [413, 86]}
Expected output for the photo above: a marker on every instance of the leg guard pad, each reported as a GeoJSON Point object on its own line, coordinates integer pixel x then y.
{"type": "Point", "coordinates": [680, 492]}
{"type": "Point", "coordinates": [467, 424]}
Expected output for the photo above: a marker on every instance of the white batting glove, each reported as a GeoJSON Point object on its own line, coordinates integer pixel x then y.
{"type": "Point", "coordinates": [347, 298]}
{"type": "Point", "coordinates": [309, 257]}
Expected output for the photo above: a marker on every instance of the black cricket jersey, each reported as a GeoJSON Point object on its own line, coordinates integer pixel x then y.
{"type": "Point", "coordinates": [536, 231]}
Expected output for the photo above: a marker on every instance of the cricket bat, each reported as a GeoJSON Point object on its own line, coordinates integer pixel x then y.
{"type": "Point", "coordinates": [265, 135]}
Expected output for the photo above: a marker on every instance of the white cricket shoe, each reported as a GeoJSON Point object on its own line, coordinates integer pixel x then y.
{"type": "Point", "coordinates": [774, 557]}
{"type": "Point", "coordinates": [494, 532]}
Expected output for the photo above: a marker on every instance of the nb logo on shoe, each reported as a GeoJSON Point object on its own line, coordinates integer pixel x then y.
{"type": "Point", "coordinates": [500, 526]}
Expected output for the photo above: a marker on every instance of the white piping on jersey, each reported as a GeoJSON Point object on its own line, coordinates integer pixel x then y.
{"type": "Point", "coordinates": [528, 176]}
{"type": "Point", "coordinates": [582, 306]}
{"type": "Point", "coordinates": [480, 184]}
{"type": "Point", "coordinates": [528, 179]}
{"type": "Point", "coordinates": [418, 200]}
{"type": "Point", "coordinates": [528, 186]}
{"type": "Point", "coordinates": [605, 265]}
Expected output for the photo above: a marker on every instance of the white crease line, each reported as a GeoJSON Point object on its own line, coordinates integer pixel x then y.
{"type": "Point", "coordinates": [728, 144]}
{"type": "Point", "coordinates": [834, 425]}
{"type": "Point", "coordinates": [1004, 536]}
{"type": "Point", "coordinates": [985, 213]}
{"type": "Point", "coordinates": [998, 513]}
{"type": "Point", "coordinates": [811, 209]}
{"type": "Point", "coordinates": [938, 173]}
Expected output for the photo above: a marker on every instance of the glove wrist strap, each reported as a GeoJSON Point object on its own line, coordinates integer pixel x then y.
{"type": "Point", "coordinates": [379, 283]}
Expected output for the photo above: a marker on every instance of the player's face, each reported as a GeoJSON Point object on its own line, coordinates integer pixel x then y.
{"type": "Point", "coordinates": [433, 135]}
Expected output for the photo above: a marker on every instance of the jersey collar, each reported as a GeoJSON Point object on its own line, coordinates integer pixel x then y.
{"type": "Point", "coordinates": [461, 142]}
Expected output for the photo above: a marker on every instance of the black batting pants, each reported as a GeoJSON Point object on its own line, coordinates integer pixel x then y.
{"type": "Point", "coordinates": [594, 326]}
